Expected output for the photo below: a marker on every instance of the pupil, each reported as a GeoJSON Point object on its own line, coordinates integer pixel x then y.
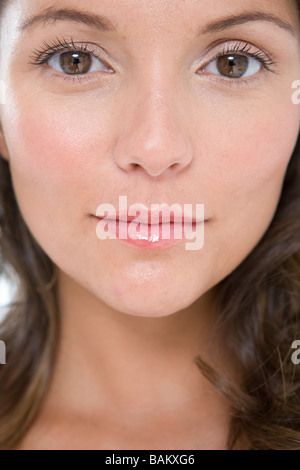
{"type": "Point", "coordinates": [231, 61]}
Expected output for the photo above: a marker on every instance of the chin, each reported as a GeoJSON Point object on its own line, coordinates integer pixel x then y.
{"type": "Point", "coordinates": [151, 304]}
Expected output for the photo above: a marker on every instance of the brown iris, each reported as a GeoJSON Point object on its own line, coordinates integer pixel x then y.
{"type": "Point", "coordinates": [75, 62]}
{"type": "Point", "coordinates": [233, 66]}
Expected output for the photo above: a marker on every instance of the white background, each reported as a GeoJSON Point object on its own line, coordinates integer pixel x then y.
{"type": "Point", "coordinates": [6, 292]}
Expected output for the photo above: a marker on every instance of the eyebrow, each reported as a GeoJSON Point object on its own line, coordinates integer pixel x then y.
{"type": "Point", "coordinates": [104, 24]}
{"type": "Point", "coordinates": [234, 20]}
{"type": "Point", "coordinates": [53, 15]}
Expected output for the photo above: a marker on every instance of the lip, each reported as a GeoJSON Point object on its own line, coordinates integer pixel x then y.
{"type": "Point", "coordinates": [144, 234]}
{"type": "Point", "coordinates": [147, 217]}
{"type": "Point", "coordinates": [151, 218]}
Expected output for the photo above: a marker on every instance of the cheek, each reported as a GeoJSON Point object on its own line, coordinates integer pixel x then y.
{"type": "Point", "coordinates": [57, 153]}
{"type": "Point", "coordinates": [243, 178]}
{"type": "Point", "coordinates": [54, 144]}
{"type": "Point", "coordinates": [57, 159]}
{"type": "Point", "coordinates": [254, 152]}
{"type": "Point", "coordinates": [267, 149]}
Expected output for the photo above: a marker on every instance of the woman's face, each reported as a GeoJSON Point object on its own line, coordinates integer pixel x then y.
{"type": "Point", "coordinates": [185, 102]}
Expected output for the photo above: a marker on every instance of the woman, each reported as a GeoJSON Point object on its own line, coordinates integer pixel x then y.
{"type": "Point", "coordinates": [140, 343]}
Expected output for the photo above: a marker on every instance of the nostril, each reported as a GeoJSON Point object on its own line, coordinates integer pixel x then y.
{"type": "Point", "coordinates": [135, 165]}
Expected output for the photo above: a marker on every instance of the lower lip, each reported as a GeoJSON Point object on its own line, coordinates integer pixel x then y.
{"type": "Point", "coordinates": [161, 236]}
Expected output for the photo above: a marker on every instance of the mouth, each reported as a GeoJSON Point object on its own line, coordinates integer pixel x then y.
{"type": "Point", "coordinates": [159, 227]}
{"type": "Point", "coordinates": [145, 235]}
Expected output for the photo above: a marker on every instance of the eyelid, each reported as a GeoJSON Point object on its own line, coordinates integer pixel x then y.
{"type": "Point", "coordinates": [227, 46]}
{"type": "Point", "coordinates": [216, 49]}
{"type": "Point", "coordinates": [42, 56]}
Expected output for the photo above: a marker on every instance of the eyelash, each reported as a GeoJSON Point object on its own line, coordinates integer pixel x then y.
{"type": "Point", "coordinates": [268, 62]}
{"type": "Point", "coordinates": [248, 50]}
{"type": "Point", "coordinates": [41, 57]}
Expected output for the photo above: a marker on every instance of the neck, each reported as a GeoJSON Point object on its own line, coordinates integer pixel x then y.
{"type": "Point", "coordinates": [109, 361]}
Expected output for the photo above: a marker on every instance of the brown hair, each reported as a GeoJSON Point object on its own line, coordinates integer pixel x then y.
{"type": "Point", "coordinates": [259, 318]}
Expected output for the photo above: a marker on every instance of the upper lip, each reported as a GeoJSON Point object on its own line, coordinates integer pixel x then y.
{"type": "Point", "coordinates": [145, 217]}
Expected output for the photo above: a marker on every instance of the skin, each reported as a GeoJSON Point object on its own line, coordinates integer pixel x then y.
{"type": "Point", "coordinates": [157, 130]}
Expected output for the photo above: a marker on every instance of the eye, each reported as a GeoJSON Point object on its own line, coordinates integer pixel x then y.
{"type": "Point", "coordinates": [77, 63]}
{"type": "Point", "coordinates": [234, 66]}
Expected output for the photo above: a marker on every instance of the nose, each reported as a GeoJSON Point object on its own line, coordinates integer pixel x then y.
{"type": "Point", "coordinates": [152, 133]}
